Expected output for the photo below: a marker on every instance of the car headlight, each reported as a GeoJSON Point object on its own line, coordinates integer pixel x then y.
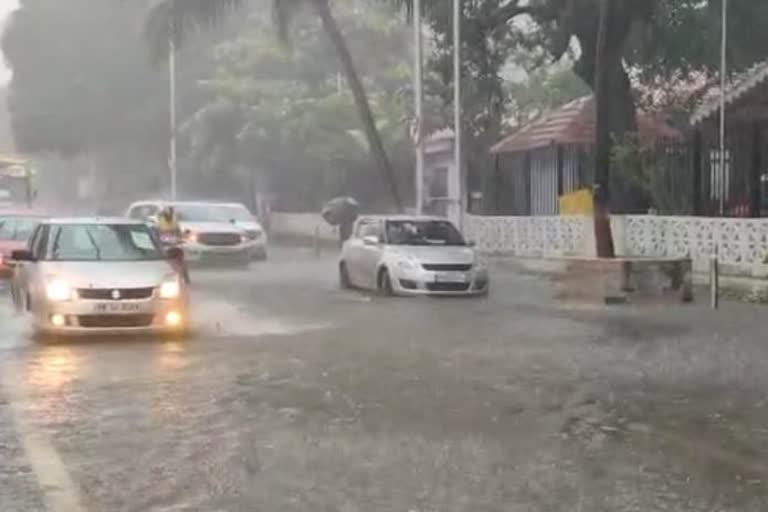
{"type": "Point", "coordinates": [481, 264]}
{"type": "Point", "coordinates": [406, 264]}
{"type": "Point", "coordinates": [170, 289]}
{"type": "Point", "coordinates": [189, 236]}
{"type": "Point", "coordinates": [58, 290]}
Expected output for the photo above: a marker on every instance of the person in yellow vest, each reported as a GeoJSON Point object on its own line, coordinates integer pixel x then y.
{"type": "Point", "coordinates": [170, 233]}
{"type": "Point", "coordinates": [167, 223]}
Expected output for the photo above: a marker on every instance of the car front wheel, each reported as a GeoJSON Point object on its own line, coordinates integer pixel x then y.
{"type": "Point", "coordinates": [385, 283]}
{"type": "Point", "coordinates": [344, 281]}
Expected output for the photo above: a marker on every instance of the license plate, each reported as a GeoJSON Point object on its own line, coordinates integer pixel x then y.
{"type": "Point", "coordinates": [451, 277]}
{"type": "Point", "coordinates": [116, 307]}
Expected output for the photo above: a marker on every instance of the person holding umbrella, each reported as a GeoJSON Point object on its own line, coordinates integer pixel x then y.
{"type": "Point", "coordinates": [341, 212]}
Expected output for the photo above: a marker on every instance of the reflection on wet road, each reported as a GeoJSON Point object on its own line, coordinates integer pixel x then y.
{"type": "Point", "coordinates": [292, 395]}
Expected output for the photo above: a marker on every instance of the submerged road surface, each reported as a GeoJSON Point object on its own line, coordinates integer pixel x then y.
{"type": "Point", "coordinates": [293, 395]}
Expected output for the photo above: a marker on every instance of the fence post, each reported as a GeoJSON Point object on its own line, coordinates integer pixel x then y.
{"type": "Point", "coordinates": [714, 280]}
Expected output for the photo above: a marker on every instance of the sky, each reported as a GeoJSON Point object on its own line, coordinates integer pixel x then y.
{"type": "Point", "coordinates": [6, 6]}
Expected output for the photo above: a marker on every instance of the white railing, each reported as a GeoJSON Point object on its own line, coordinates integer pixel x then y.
{"type": "Point", "coordinates": [529, 236]}
{"type": "Point", "coordinates": [739, 242]}
{"type": "Point", "coordinates": [742, 242]}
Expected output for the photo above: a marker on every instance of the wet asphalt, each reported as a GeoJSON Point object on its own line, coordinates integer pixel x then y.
{"type": "Point", "coordinates": [292, 395]}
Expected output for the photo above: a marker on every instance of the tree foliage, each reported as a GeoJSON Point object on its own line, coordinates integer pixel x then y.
{"type": "Point", "coordinates": [287, 115]}
{"type": "Point", "coordinates": [179, 17]}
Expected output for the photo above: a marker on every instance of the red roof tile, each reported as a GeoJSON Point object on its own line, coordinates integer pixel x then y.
{"type": "Point", "coordinates": [574, 123]}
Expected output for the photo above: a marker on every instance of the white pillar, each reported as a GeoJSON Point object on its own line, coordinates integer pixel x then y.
{"type": "Point", "coordinates": [455, 189]}
{"type": "Point", "coordinates": [418, 90]}
{"type": "Point", "coordinates": [723, 182]}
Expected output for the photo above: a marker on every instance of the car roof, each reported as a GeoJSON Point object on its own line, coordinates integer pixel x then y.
{"type": "Point", "coordinates": [22, 212]}
{"type": "Point", "coordinates": [93, 220]}
{"type": "Point", "coordinates": [164, 202]}
{"type": "Point", "coordinates": [403, 218]}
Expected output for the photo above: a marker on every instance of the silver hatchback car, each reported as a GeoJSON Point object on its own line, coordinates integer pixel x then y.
{"type": "Point", "coordinates": [93, 275]}
{"type": "Point", "coordinates": [407, 255]}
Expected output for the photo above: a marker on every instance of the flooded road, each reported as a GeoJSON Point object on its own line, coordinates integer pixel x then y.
{"type": "Point", "coordinates": [293, 395]}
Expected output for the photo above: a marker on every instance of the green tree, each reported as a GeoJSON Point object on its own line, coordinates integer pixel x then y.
{"type": "Point", "coordinates": [286, 116]}
{"type": "Point", "coordinates": [81, 89]}
{"type": "Point", "coordinates": [180, 16]}
{"type": "Point", "coordinates": [541, 87]}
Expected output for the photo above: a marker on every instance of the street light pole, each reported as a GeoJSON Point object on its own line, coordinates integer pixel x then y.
{"type": "Point", "coordinates": [418, 89]}
{"type": "Point", "coordinates": [172, 98]}
{"type": "Point", "coordinates": [723, 71]}
{"type": "Point", "coordinates": [457, 139]}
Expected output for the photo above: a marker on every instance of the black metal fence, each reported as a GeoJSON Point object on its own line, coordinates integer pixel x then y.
{"type": "Point", "coordinates": [671, 178]}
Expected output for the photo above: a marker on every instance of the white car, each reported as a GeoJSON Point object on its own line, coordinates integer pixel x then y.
{"type": "Point", "coordinates": [93, 275]}
{"type": "Point", "coordinates": [224, 233]}
{"type": "Point", "coordinates": [407, 255]}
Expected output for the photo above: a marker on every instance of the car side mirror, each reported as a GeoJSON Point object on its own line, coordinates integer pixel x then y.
{"type": "Point", "coordinates": [22, 255]}
{"type": "Point", "coordinates": [174, 254]}
{"type": "Point", "coordinates": [371, 240]}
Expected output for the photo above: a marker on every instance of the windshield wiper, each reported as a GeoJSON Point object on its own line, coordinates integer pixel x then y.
{"type": "Point", "coordinates": [93, 243]}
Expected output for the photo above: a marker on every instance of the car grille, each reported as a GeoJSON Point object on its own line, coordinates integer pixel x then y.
{"type": "Point", "coordinates": [219, 239]}
{"type": "Point", "coordinates": [106, 293]}
{"type": "Point", "coordinates": [447, 287]}
{"type": "Point", "coordinates": [99, 321]}
{"type": "Point", "coordinates": [447, 267]}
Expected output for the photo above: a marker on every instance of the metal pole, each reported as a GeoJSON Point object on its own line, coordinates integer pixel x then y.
{"type": "Point", "coordinates": [418, 88]}
{"type": "Point", "coordinates": [172, 81]}
{"type": "Point", "coordinates": [457, 109]}
{"type": "Point", "coordinates": [723, 71]}
{"type": "Point", "coordinates": [714, 280]}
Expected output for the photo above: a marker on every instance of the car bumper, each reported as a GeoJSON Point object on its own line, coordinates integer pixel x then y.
{"type": "Point", "coordinates": [84, 317]}
{"type": "Point", "coordinates": [196, 254]}
{"type": "Point", "coordinates": [423, 282]}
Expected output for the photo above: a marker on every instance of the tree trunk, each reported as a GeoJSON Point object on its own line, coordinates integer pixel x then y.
{"type": "Point", "coordinates": [615, 114]}
{"type": "Point", "coordinates": [361, 99]}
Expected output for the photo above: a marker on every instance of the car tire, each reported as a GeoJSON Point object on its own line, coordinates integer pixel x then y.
{"type": "Point", "coordinates": [385, 283]}
{"type": "Point", "coordinates": [344, 281]}
{"type": "Point", "coordinates": [260, 256]}
{"type": "Point", "coordinates": [18, 307]}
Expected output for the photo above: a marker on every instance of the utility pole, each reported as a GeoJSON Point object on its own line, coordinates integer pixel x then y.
{"type": "Point", "coordinates": [418, 92]}
{"type": "Point", "coordinates": [457, 139]}
{"type": "Point", "coordinates": [723, 71]}
{"type": "Point", "coordinates": [172, 97]}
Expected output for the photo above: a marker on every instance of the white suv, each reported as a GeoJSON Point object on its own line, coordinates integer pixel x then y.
{"type": "Point", "coordinates": [213, 232]}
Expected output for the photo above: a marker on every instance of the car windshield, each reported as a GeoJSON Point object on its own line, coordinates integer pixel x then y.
{"type": "Point", "coordinates": [212, 213]}
{"type": "Point", "coordinates": [423, 232]}
{"type": "Point", "coordinates": [17, 228]}
{"type": "Point", "coordinates": [101, 242]}
{"type": "Point", "coordinates": [234, 212]}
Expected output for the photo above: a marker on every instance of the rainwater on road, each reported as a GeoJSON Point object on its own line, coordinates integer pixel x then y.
{"type": "Point", "coordinates": [292, 395]}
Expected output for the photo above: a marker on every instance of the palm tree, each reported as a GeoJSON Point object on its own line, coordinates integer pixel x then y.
{"type": "Point", "coordinates": [182, 16]}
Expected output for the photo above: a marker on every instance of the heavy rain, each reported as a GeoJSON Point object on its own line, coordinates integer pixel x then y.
{"type": "Point", "coordinates": [383, 255]}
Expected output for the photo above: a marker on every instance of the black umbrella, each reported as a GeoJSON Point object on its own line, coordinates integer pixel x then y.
{"type": "Point", "coordinates": [340, 210]}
